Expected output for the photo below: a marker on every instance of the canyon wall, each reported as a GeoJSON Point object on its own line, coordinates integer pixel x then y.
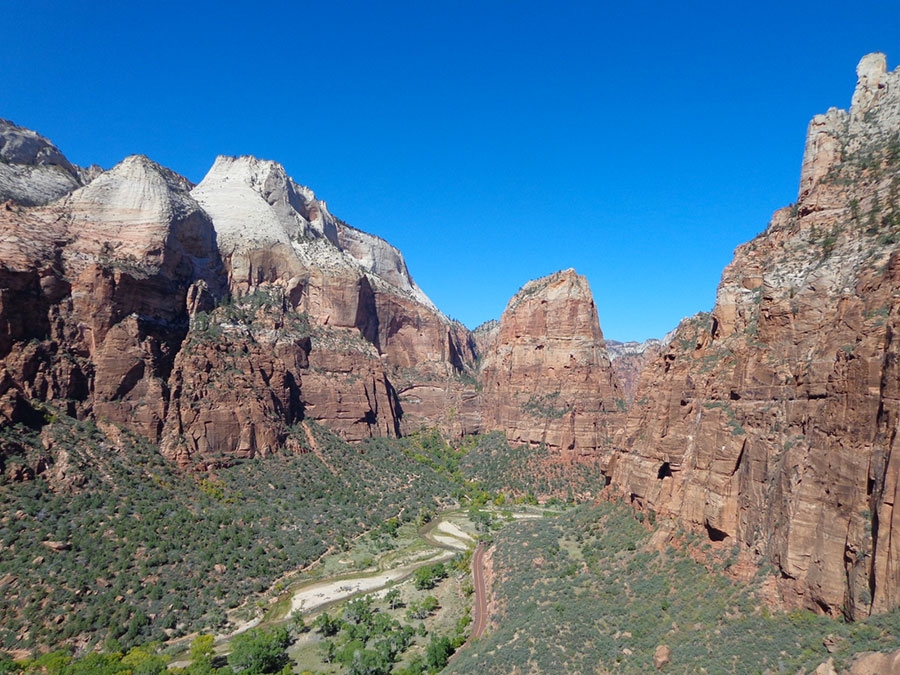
{"type": "Point", "coordinates": [772, 421]}
{"type": "Point", "coordinates": [210, 318]}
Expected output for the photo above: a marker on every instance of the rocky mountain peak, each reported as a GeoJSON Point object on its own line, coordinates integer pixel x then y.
{"type": "Point", "coordinates": [548, 378]}
{"type": "Point", "coordinates": [255, 204]}
{"type": "Point", "coordinates": [136, 212]}
{"type": "Point", "coordinates": [872, 83]}
{"type": "Point", "coordinates": [257, 207]}
{"type": "Point", "coordinates": [837, 135]}
{"type": "Point", "coordinates": [19, 145]}
{"type": "Point", "coordinates": [32, 170]}
{"type": "Point", "coordinates": [770, 422]}
{"type": "Point", "coordinates": [565, 283]}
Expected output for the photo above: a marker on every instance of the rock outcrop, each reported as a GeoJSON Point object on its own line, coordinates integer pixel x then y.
{"type": "Point", "coordinates": [629, 360]}
{"type": "Point", "coordinates": [210, 319]}
{"type": "Point", "coordinates": [32, 170]}
{"type": "Point", "coordinates": [772, 422]}
{"type": "Point", "coordinates": [547, 378]}
{"type": "Point", "coordinates": [93, 299]}
{"type": "Point", "coordinates": [375, 334]}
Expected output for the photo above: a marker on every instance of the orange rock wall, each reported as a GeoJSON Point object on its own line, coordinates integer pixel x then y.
{"type": "Point", "coordinates": [548, 377]}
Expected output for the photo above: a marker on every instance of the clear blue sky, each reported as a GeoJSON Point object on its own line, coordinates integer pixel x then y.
{"type": "Point", "coordinates": [492, 142]}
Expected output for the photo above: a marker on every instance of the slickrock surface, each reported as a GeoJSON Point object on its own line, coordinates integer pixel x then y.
{"type": "Point", "coordinates": [548, 377]}
{"type": "Point", "coordinates": [771, 423]}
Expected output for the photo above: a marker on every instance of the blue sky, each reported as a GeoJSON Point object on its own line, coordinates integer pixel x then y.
{"type": "Point", "coordinates": [492, 142]}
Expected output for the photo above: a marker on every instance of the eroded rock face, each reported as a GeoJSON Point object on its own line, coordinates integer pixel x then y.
{"type": "Point", "coordinates": [548, 377]}
{"type": "Point", "coordinates": [93, 292]}
{"type": "Point", "coordinates": [629, 360]}
{"type": "Point", "coordinates": [32, 170]}
{"type": "Point", "coordinates": [212, 326]}
{"type": "Point", "coordinates": [353, 286]}
{"type": "Point", "coordinates": [235, 384]}
{"type": "Point", "coordinates": [771, 422]}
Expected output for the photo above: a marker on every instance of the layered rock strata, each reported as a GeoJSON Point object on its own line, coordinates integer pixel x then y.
{"type": "Point", "coordinates": [32, 170]}
{"type": "Point", "coordinates": [375, 334]}
{"type": "Point", "coordinates": [93, 295]}
{"type": "Point", "coordinates": [211, 318]}
{"type": "Point", "coordinates": [547, 378]}
{"type": "Point", "coordinates": [772, 422]}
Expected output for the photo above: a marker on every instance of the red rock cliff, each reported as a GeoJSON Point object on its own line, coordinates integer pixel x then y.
{"type": "Point", "coordinates": [547, 377]}
{"type": "Point", "coordinates": [211, 318]}
{"type": "Point", "coordinates": [772, 422]}
{"type": "Point", "coordinates": [93, 295]}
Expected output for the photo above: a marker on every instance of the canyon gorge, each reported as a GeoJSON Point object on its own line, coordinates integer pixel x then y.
{"type": "Point", "coordinates": [211, 319]}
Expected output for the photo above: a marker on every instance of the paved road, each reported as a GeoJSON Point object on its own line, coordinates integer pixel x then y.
{"type": "Point", "coordinates": [480, 620]}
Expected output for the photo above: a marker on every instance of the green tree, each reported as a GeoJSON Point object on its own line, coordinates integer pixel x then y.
{"type": "Point", "coordinates": [327, 625]}
{"type": "Point", "coordinates": [8, 666]}
{"type": "Point", "coordinates": [142, 662]}
{"type": "Point", "coordinates": [202, 647]}
{"type": "Point", "coordinates": [392, 597]}
{"type": "Point", "coordinates": [297, 622]}
{"type": "Point", "coordinates": [427, 577]}
{"type": "Point", "coordinates": [368, 662]}
{"type": "Point", "coordinates": [259, 651]}
{"type": "Point", "coordinates": [359, 611]}
{"type": "Point", "coordinates": [439, 651]}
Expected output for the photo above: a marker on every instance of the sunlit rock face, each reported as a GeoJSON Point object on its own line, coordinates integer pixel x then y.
{"type": "Point", "coordinates": [771, 422]}
{"type": "Point", "coordinates": [32, 170]}
{"type": "Point", "coordinates": [383, 358]}
{"type": "Point", "coordinates": [212, 318]}
{"type": "Point", "coordinates": [93, 294]}
{"type": "Point", "coordinates": [547, 376]}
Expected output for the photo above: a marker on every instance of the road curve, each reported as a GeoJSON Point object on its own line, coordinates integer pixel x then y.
{"type": "Point", "coordinates": [480, 620]}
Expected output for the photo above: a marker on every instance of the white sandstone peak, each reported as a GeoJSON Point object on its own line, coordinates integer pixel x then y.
{"type": "Point", "coordinates": [243, 195]}
{"type": "Point", "coordinates": [136, 190]}
{"type": "Point", "coordinates": [254, 204]}
{"type": "Point", "coordinates": [32, 170]}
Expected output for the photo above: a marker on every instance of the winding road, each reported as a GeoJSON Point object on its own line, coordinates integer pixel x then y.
{"type": "Point", "coordinates": [480, 621]}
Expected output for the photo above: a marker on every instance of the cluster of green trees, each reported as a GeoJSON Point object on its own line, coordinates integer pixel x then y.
{"type": "Point", "coordinates": [160, 553]}
{"type": "Point", "coordinates": [367, 641]}
{"type": "Point", "coordinates": [525, 472]}
{"type": "Point", "coordinates": [255, 652]}
{"type": "Point", "coordinates": [429, 576]}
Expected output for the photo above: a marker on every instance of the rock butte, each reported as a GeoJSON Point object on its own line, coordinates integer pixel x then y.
{"type": "Point", "coordinates": [210, 318]}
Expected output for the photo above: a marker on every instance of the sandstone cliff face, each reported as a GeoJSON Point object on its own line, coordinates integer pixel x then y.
{"type": "Point", "coordinates": [547, 378]}
{"type": "Point", "coordinates": [235, 385]}
{"type": "Point", "coordinates": [354, 287]}
{"type": "Point", "coordinates": [211, 318]}
{"type": "Point", "coordinates": [93, 295]}
{"type": "Point", "coordinates": [771, 422]}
